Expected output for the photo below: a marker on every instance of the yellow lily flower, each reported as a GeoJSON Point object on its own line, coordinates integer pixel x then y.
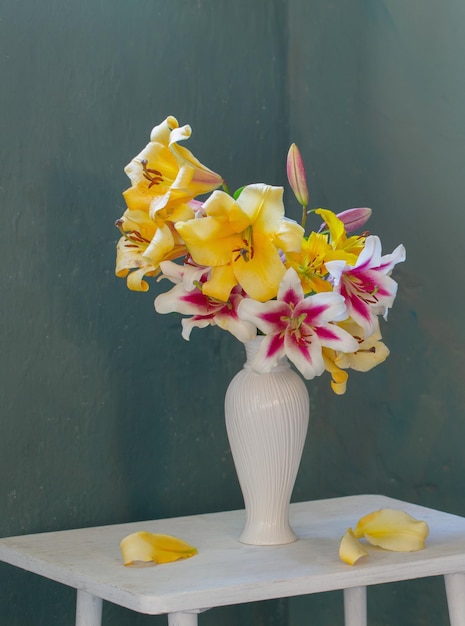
{"type": "Point", "coordinates": [165, 177]}
{"type": "Point", "coordinates": [240, 241]}
{"type": "Point", "coordinates": [146, 242]}
{"type": "Point", "coordinates": [143, 547]}
{"type": "Point", "coordinates": [371, 352]}
{"type": "Point", "coordinates": [309, 263]}
{"type": "Point", "coordinates": [164, 173]}
{"type": "Point", "coordinates": [394, 530]}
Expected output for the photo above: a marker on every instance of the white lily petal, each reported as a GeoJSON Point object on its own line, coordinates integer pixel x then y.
{"type": "Point", "coordinates": [242, 330]}
{"type": "Point", "coordinates": [192, 322]}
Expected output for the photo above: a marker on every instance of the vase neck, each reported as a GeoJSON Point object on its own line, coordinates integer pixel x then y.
{"type": "Point", "coordinates": [251, 349]}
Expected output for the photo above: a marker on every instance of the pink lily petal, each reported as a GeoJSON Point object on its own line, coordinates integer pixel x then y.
{"type": "Point", "coordinates": [367, 288]}
{"type": "Point", "coordinates": [290, 289]}
{"type": "Point", "coordinates": [189, 275]}
{"type": "Point", "coordinates": [267, 316]}
{"type": "Point", "coordinates": [192, 322]}
{"type": "Point", "coordinates": [306, 356]}
{"type": "Point", "coordinates": [297, 327]}
{"type": "Point", "coordinates": [336, 338]}
{"type": "Point", "coordinates": [204, 310]}
{"type": "Point", "coordinates": [269, 353]}
{"type": "Point", "coordinates": [322, 307]}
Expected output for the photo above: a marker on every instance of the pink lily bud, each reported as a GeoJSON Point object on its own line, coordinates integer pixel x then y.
{"type": "Point", "coordinates": [296, 175]}
{"type": "Point", "coordinates": [353, 219]}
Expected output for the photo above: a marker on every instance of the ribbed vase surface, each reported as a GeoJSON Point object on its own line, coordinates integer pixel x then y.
{"type": "Point", "coordinates": [266, 420]}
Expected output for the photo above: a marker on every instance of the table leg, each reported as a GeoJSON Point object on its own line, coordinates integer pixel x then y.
{"type": "Point", "coordinates": [455, 590]}
{"type": "Point", "coordinates": [88, 609]}
{"type": "Point", "coordinates": [355, 606]}
{"type": "Point", "coordinates": [182, 619]}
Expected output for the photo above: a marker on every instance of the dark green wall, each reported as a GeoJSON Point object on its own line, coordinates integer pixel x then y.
{"type": "Point", "coordinates": [376, 101]}
{"type": "Point", "coordinates": [107, 415]}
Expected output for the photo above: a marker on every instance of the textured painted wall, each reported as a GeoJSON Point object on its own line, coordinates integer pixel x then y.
{"type": "Point", "coordinates": [376, 100]}
{"type": "Point", "coordinates": [107, 415]}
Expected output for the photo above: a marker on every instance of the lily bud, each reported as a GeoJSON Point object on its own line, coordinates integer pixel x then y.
{"type": "Point", "coordinates": [296, 175]}
{"type": "Point", "coordinates": [354, 219]}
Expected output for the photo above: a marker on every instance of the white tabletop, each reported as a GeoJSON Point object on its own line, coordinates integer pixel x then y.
{"type": "Point", "coordinates": [227, 572]}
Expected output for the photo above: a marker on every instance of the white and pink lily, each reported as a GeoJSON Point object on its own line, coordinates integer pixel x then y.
{"type": "Point", "coordinates": [367, 287]}
{"type": "Point", "coordinates": [186, 297]}
{"type": "Point", "coordinates": [297, 327]}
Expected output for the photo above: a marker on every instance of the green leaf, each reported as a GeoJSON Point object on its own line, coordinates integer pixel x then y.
{"type": "Point", "coordinates": [238, 192]}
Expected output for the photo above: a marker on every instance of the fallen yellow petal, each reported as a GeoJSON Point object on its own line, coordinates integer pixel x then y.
{"type": "Point", "coordinates": [350, 549]}
{"type": "Point", "coordinates": [393, 529]}
{"type": "Point", "coordinates": [143, 547]}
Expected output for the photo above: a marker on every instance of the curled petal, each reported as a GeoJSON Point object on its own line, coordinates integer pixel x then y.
{"type": "Point", "coordinates": [338, 376]}
{"type": "Point", "coordinates": [350, 549]}
{"type": "Point", "coordinates": [193, 322]}
{"type": "Point", "coordinates": [162, 132]}
{"type": "Point", "coordinates": [393, 529]}
{"type": "Point", "coordinates": [143, 547]}
{"type": "Point", "coordinates": [188, 275]}
{"type": "Point", "coordinates": [131, 264]}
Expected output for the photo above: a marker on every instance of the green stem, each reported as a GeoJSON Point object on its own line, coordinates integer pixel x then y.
{"type": "Point", "coordinates": [304, 215]}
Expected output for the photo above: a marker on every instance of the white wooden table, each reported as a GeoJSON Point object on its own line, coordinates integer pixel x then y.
{"type": "Point", "coordinates": [226, 572]}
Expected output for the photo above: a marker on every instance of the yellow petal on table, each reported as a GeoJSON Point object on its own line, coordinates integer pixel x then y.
{"type": "Point", "coordinates": [143, 547]}
{"type": "Point", "coordinates": [393, 529]}
{"type": "Point", "coordinates": [350, 549]}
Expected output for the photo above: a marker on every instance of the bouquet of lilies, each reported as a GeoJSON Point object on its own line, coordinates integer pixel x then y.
{"type": "Point", "coordinates": [236, 261]}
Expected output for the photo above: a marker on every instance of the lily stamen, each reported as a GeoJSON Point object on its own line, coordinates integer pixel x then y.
{"type": "Point", "coordinates": [154, 176]}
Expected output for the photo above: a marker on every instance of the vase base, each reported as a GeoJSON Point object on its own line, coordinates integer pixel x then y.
{"type": "Point", "coordinates": [267, 537]}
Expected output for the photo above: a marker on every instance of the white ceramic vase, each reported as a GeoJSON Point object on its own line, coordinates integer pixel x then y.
{"type": "Point", "coordinates": [266, 420]}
